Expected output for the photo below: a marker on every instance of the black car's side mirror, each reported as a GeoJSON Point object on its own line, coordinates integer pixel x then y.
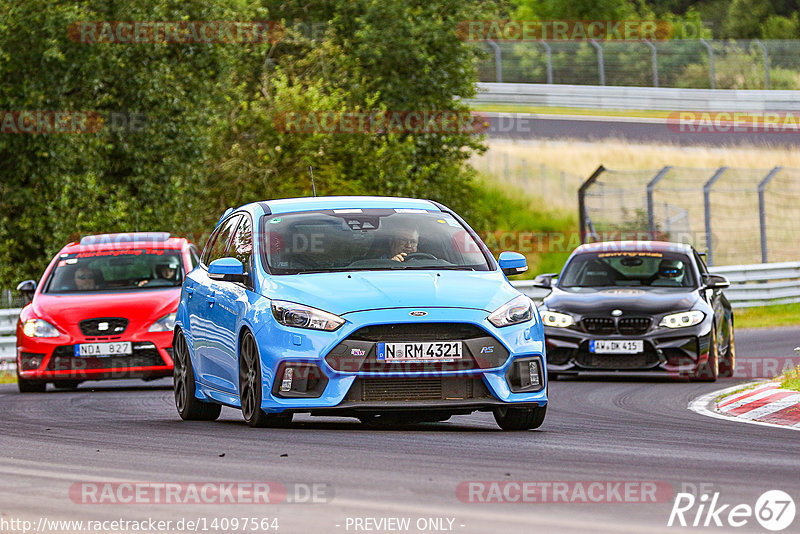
{"type": "Point", "coordinates": [544, 281]}
{"type": "Point", "coordinates": [715, 281]}
{"type": "Point", "coordinates": [27, 288]}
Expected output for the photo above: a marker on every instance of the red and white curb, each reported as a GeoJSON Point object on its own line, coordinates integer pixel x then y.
{"type": "Point", "coordinates": [765, 404]}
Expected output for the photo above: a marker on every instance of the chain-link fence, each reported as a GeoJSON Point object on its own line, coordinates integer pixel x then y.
{"type": "Point", "coordinates": [738, 216]}
{"type": "Point", "coordinates": [687, 63]}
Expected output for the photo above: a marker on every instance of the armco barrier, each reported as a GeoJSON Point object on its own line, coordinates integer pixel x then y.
{"type": "Point", "coordinates": [641, 98]}
{"type": "Point", "coordinates": [8, 340]}
{"type": "Point", "coordinates": [760, 284]}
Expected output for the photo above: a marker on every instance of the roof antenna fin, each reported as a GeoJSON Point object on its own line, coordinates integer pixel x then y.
{"type": "Point", "coordinates": [313, 188]}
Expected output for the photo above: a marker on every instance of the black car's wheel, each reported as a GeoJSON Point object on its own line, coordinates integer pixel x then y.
{"type": "Point", "coordinates": [520, 418]}
{"type": "Point", "coordinates": [727, 364]}
{"type": "Point", "coordinates": [709, 371]}
{"type": "Point", "coordinates": [250, 388]}
{"type": "Point", "coordinates": [66, 384]}
{"type": "Point", "coordinates": [30, 386]}
{"type": "Point", "coordinates": [189, 407]}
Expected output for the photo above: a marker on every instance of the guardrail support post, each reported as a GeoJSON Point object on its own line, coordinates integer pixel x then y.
{"type": "Point", "coordinates": [711, 75]}
{"type": "Point", "coordinates": [498, 61]}
{"type": "Point", "coordinates": [650, 209]}
{"type": "Point", "coordinates": [549, 55]}
{"type": "Point", "coordinates": [766, 62]}
{"type": "Point", "coordinates": [582, 215]}
{"type": "Point", "coordinates": [707, 206]}
{"type": "Point", "coordinates": [762, 212]}
{"type": "Point", "coordinates": [654, 53]}
{"type": "Point", "coordinates": [601, 69]}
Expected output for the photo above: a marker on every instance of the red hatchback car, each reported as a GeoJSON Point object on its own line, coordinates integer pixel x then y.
{"type": "Point", "coordinates": [105, 308]}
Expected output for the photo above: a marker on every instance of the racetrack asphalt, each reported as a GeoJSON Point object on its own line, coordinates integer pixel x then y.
{"type": "Point", "coordinates": [596, 430]}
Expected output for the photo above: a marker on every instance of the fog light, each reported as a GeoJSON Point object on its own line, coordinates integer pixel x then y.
{"type": "Point", "coordinates": [286, 384]}
{"type": "Point", "coordinates": [533, 373]}
{"type": "Point", "coordinates": [31, 361]}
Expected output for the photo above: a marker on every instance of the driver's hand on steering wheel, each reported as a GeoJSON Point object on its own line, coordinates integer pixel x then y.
{"type": "Point", "coordinates": [399, 257]}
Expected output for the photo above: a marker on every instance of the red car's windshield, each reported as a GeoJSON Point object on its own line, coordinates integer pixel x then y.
{"type": "Point", "coordinates": [113, 270]}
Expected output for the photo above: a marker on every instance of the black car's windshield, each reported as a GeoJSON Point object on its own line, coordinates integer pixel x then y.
{"type": "Point", "coordinates": [628, 269]}
{"type": "Point", "coordinates": [113, 270]}
{"type": "Point", "coordinates": [368, 240]}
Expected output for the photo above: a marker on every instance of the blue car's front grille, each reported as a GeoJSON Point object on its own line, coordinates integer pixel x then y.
{"type": "Point", "coordinates": [358, 353]}
{"type": "Point", "coordinates": [417, 389]}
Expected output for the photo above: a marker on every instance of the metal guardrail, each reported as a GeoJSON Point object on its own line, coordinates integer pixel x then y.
{"type": "Point", "coordinates": [640, 98]}
{"type": "Point", "coordinates": [760, 284]}
{"type": "Point", "coordinates": [8, 340]}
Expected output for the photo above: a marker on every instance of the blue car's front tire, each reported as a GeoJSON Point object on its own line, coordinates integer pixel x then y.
{"type": "Point", "coordinates": [250, 387]}
{"type": "Point", "coordinates": [189, 408]}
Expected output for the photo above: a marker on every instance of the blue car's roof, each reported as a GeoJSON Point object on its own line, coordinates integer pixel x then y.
{"type": "Point", "coordinates": [289, 205]}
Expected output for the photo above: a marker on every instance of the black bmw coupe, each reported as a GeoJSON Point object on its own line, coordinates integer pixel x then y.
{"type": "Point", "coordinates": [637, 307]}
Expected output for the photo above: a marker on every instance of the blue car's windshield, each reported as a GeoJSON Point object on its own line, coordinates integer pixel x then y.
{"type": "Point", "coordinates": [368, 240]}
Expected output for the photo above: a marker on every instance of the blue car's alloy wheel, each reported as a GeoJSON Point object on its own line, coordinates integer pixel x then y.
{"type": "Point", "coordinates": [250, 388]}
{"type": "Point", "coordinates": [189, 408]}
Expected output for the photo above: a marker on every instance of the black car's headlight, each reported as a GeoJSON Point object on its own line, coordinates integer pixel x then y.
{"type": "Point", "coordinates": [556, 319]}
{"type": "Point", "coordinates": [300, 316]}
{"type": "Point", "coordinates": [513, 312]}
{"type": "Point", "coordinates": [682, 319]}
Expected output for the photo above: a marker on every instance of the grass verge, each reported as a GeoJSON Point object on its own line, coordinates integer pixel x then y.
{"type": "Point", "coordinates": [791, 379]}
{"type": "Point", "coordinates": [768, 316]}
{"type": "Point", "coordinates": [7, 377]}
{"type": "Point", "coordinates": [547, 110]}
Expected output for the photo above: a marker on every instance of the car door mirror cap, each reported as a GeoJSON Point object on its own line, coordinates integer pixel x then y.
{"type": "Point", "coordinates": [512, 263]}
{"type": "Point", "coordinates": [544, 281]}
{"type": "Point", "coordinates": [27, 288]}
{"type": "Point", "coordinates": [715, 281]}
{"type": "Point", "coordinates": [227, 270]}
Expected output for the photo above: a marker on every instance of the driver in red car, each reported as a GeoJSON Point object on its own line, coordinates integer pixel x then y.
{"type": "Point", "coordinates": [165, 269]}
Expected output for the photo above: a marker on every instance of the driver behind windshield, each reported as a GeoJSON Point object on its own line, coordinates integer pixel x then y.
{"type": "Point", "coordinates": [403, 242]}
{"type": "Point", "coordinates": [165, 269]}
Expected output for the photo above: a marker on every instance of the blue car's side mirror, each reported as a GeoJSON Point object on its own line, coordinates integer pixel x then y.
{"type": "Point", "coordinates": [227, 270]}
{"type": "Point", "coordinates": [512, 263]}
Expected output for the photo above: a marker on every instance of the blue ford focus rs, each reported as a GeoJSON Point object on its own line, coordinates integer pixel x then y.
{"type": "Point", "coordinates": [384, 309]}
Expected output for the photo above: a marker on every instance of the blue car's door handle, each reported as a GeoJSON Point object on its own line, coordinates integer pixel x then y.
{"type": "Point", "coordinates": [189, 290]}
{"type": "Point", "coordinates": [211, 299]}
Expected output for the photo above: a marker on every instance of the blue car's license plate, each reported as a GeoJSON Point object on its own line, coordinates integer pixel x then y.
{"type": "Point", "coordinates": [419, 351]}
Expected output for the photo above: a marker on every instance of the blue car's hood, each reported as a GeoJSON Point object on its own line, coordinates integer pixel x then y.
{"type": "Point", "coordinates": [342, 293]}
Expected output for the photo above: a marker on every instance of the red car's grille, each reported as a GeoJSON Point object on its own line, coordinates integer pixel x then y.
{"type": "Point", "coordinates": [103, 326]}
{"type": "Point", "coordinates": [144, 355]}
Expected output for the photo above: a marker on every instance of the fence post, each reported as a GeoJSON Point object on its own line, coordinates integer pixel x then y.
{"type": "Point", "coordinates": [707, 207]}
{"type": "Point", "coordinates": [650, 210]}
{"type": "Point", "coordinates": [601, 70]}
{"type": "Point", "coordinates": [711, 76]}
{"type": "Point", "coordinates": [655, 61]}
{"type": "Point", "coordinates": [582, 216]}
{"type": "Point", "coordinates": [498, 61]}
{"type": "Point", "coordinates": [766, 64]}
{"type": "Point", "coordinates": [762, 212]}
{"type": "Point", "coordinates": [549, 55]}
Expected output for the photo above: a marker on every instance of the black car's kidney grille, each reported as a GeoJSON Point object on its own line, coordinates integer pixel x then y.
{"type": "Point", "coordinates": [599, 325]}
{"type": "Point", "coordinates": [111, 326]}
{"type": "Point", "coordinates": [418, 332]}
{"type": "Point", "coordinates": [634, 326]}
{"type": "Point", "coordinates": [644, 360]}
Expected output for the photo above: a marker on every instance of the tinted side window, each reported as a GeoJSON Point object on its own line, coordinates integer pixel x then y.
{"type": "Point", "coordinates": [242, 245]}
{"type": "Point", "coordinates": [219, 248]}
{"type": "Point", "coordinates": [701, 264]}
{"type": "Point", "coordinates": [194, 256]}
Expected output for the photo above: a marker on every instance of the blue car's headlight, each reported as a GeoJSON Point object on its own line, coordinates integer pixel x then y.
{"type": "Point", "coordinates": [679, 320]}
{"type": "Point", "coordinates": [300, 316]}
{"type": "Point", "coordinates": [516, 311]}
